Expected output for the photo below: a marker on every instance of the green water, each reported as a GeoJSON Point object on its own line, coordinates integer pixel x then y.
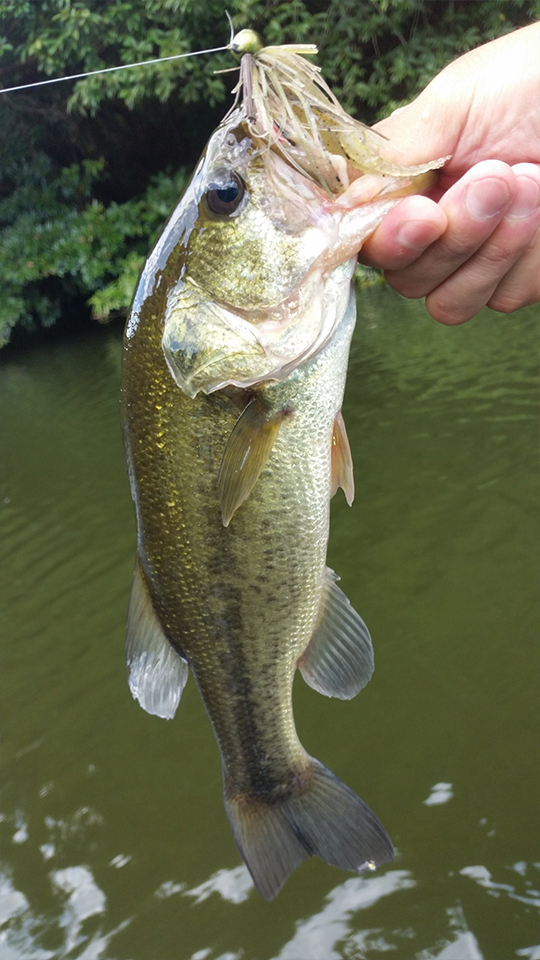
{"type": "Point", "coordinates": [114, 839]}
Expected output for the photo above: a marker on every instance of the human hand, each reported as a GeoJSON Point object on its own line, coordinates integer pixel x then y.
{"type": "Point", "coordinates": [476, 239]}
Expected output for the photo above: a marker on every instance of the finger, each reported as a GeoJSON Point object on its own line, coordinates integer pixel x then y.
{"type": "Point", "coordinates": [521, 285]}
{"type": "Point", "coordinates": [488, 276]}
{"type": "Point", "coordinates": [404, 234]}
{"type": "Point", "coordinates": [473, 207]}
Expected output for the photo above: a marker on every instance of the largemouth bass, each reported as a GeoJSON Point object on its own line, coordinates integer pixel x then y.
{"type": "Point", "coordinates": [234, 369]}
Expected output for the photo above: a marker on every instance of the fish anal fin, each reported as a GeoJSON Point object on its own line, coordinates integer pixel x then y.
{"type": "Point", "coordinates": [246, 454]}
{"type": "Point", "coordinates": [157, 674]}
{"type": "Point", "coordinates": [338, 660]}
{"type": "Point", "coordinates": [342, 464]}
{"type": "Point", "coordinates": [324, 818]}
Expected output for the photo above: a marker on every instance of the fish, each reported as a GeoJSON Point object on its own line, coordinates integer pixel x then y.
{"type": "Point", "coordinates": [234, 366]}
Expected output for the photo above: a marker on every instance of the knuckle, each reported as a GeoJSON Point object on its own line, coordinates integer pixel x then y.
{"type": "Point", "coordinates": [405, 285]}
{"type": "Point", "coordinates": [456, 250]}
{"type": "Point", "coordinates": [443, 308]}
{"type": "Point", "coordinates": [496, 255]}
{"type": "Point", "coordinates": [504, 303]}
{"type": "Point", "coordinates": [509, 300]}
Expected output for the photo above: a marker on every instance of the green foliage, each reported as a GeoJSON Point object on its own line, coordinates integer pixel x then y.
{"type": "Point", "coordinates": [55, 228]}
{"type": "Point", "coordinates": [89, 171]}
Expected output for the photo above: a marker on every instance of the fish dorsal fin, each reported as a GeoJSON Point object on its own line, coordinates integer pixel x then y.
{"type": "Point", "coordinates": [246, 453]}
{"type": "Point", "coordinates": [156, 673]}
{"type": "Point", "coordinates": [338, 660]}
{"type": "Point", "coordinates": [342, 465]}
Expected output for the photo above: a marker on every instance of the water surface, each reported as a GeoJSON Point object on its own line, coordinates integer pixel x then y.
{"type": "Point", "coordinates": [114, 840]}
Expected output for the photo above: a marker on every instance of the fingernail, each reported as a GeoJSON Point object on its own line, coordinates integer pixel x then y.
{"type": "Point", "coordinates": [486, 198]}
{"type": "Point", "coordinates": [527, 201]}
{"type": "Point", "coordinates": [413, 234]}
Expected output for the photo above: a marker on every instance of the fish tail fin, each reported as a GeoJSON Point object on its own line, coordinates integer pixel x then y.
{"type": "Point", "coordinates": [319, 816]}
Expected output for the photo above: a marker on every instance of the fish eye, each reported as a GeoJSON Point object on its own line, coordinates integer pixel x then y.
{"type": "Point", "coordinates": [226, 195]}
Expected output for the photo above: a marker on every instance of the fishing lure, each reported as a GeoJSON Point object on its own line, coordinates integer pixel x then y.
{"type": "Point", "coordinates": [291, 107]}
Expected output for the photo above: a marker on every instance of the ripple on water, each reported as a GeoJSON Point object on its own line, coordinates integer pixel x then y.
{"type": "Point", "coordinates": [438, 553]}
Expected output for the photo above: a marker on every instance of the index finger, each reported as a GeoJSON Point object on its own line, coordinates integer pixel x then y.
{"type": "Point", "coordinates": [409, 229]}
{"type": "Point", "coordinates": [474, 207]}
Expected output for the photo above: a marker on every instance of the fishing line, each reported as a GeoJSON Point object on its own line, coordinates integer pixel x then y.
{"type": "Point", "coordinates": [123, 66]}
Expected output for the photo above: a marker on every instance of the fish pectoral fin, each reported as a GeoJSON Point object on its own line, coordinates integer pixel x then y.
{"type": "Point", "coordinates": [321, 817]}
{"type": "Point", "coordinates": [342, 464]}
{"type": "Point", "coordinates": [246, 454]}
{"type": "Point", "coordinates": [157, 674]}
{"type": "Point", "coordinates": [338, 660]}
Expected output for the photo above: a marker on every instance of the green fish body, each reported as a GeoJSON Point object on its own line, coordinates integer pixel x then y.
{"type": "Point", "coordinates": [234, 368]}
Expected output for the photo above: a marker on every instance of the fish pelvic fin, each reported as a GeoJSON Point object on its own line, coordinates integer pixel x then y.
{"type": "Point", "coordinates": [246, 454]}
{"type": "Point", "coordinates": [342, 463]}
{"type": "Point", "coordinates": [323, 818]}
{"type": "Point", "coordinates": [338, 660]}
{"type": "Point", "coordinates": [157, 674]}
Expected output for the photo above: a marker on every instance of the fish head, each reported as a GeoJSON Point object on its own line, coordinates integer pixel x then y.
{"type": "Point", "coordinates": [253, 269]}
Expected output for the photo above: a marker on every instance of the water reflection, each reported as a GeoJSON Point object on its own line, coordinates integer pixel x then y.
{"type": "Point", "coordinates": [114, 840]}
{"type": "Point", "coordinates": [318, 937]}
{"type": "Point", "coordinates": [483, 878]}
{"type": "Point", "coordinates": [234, 886]}
{"type": "Point", "coordinates": [206, 953]}
{"type": "Point", "coordinates": [82, 899]}
{"type": "Point", "coordinates": [440, 793]}
{"type": "Point", "coordinates": [329, 934]}
{"type": "Point", "coordinates": [12, 902]}
{"type": "Point", "coordinates": [21, 834]}
{"type": "Point", "coordinates": [463, 947]}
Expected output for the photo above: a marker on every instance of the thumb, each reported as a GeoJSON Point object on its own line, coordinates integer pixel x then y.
{"type": "Point", "coordinates": [483, 105]}
{"type": "Point", "coordinates": [427, 128]}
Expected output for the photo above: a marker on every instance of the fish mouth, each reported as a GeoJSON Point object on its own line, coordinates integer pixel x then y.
{"type": "Point", "coordinates": [208, 346]}
{"type": "Point", "coordinates": [194, 374]}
